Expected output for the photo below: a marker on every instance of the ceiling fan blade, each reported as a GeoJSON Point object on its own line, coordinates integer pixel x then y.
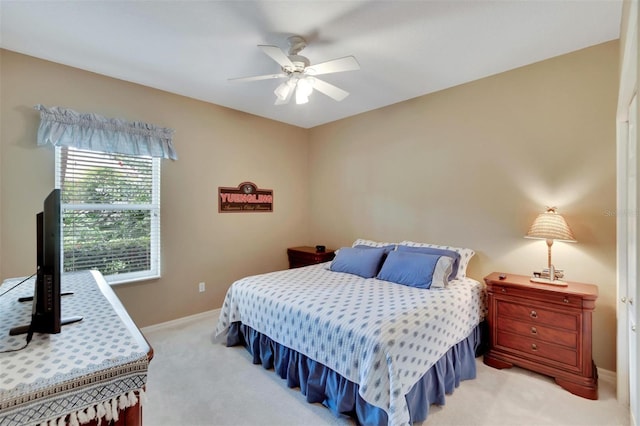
{"type": "Point", "coordinates": [275, 53]}
{"type": "Point", "coordinates": [330, 90]}
{"type": "Point", "coordinates": [257, 78]}
{"type": "Point", "coordinates": [348, 63]}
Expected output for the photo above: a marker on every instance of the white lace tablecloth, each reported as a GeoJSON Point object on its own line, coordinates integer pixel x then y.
{"type": "Point", "coordinates": [87, 371]}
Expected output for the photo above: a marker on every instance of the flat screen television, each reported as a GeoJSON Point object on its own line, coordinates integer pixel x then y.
{"type": "Point", "coordinates": [45, 311]}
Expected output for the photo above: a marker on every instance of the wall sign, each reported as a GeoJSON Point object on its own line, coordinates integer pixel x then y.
{"type": "Point", "coordinates": [245, 198]}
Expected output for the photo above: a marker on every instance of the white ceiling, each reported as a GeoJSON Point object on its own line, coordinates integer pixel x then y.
{"type": "Point", "coordinates": [405, 48]}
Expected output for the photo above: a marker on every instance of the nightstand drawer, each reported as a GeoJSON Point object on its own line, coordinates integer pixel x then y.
{"type": "Point", "coordinates": [306, 258]}
{"type": "Point", "coordinates": [537, 348]}
{"type": "Point", "coordinates": [539, 332]}
{"type": "Point", "coordinates": [559, 298]}
{"type": "Point", "coordinates": [534, 315]}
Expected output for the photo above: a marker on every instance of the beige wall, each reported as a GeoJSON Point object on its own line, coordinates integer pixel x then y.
{"type": "Point", "coordinates": [472, 166]}
{"type": "Point", "coordinates": [216, 147]}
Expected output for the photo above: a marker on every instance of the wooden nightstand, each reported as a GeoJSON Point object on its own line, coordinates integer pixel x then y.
{"type": "Point", "coordinates": [304, 256]}
{"type": "Point", "coordinates": [543, 328]}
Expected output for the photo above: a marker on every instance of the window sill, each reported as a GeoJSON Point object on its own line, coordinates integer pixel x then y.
{"type": "Point", "coordinates": [115, 280]}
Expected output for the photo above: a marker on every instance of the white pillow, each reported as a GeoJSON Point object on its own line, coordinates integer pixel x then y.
{"type": "Point", "coordinates": [441, 272]}
{"type": "Point", "coordinates": [370, 243]}
{"type": "Point", "coordinates": [465, 255]}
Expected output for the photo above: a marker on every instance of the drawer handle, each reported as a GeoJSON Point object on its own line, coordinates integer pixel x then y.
{"type": "Point", "coordinates": [504, 290]}
{"type": "Point", "coordinates": [566, 300]}
{"type": "Point", "coordinates": [534, 347]}
{"type": "Point", "coordinates": [533, 314]}
{"type": "Point", "coordinates": [534, 330]}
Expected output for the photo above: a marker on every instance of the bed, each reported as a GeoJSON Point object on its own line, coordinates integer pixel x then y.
{"type": "Point", "coordinates": [371, 348]}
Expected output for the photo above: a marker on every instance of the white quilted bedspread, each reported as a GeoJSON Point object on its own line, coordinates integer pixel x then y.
{"type": "Point", "coordinates": [380, 335]}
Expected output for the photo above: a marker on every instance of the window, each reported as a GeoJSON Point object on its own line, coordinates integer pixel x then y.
{"type": "Point", "coordinates": [111, 213]}
{"type": "Point", "coordinates": [108, 171]}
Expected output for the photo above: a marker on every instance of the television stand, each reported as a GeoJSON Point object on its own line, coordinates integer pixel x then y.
{"type": "Point", "coordinates": [30, 298]}
{"type": "Point", "coordinates": [23, 329]}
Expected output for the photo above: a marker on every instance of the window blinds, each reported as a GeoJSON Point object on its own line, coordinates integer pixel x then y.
{"type": "Point", "coordinates": [111, 211]}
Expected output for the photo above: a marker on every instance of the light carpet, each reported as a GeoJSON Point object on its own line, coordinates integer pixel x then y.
{"type": "Point", "coordinates": [195, 382]}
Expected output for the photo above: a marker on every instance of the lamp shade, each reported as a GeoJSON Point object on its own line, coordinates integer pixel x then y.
{"type": "Point", "coordinates": [550, 226]}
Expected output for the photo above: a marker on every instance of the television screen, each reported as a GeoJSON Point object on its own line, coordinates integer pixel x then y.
{"type": "Point", "coordinates": [45, 315]}
{"type": "Point", "coordinates": [46, 303]}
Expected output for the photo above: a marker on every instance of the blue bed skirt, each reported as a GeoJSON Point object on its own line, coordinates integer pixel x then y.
{"type": "Point", "coordinates": [321, 384]}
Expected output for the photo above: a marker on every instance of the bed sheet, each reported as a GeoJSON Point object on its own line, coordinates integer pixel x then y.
{"type": "Point", "coordinates": [380, 335]}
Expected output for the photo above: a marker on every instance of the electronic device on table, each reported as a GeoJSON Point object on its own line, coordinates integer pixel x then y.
{"type": "Point", "coordinates": [45, 311]}
{"type": "Point", "coordinates": [551, 276]}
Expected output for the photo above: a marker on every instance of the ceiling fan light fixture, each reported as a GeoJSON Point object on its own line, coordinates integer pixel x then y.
{"type": "Point", "coordinates": [304, 88]}
{"type": "Point", "coordinates": [301, 98]}
{"type": "Point", "coordinates": [300, 74]}
{"type": "Point", "coordinates": [282, 91]}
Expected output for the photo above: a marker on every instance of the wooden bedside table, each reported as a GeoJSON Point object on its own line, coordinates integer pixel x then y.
{"type": "Point", "coordinates": [305, 256]}
{"type": "Point", "coordinates": [543, 328]}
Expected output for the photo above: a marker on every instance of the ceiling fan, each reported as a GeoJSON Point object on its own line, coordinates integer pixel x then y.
{"type": "Point", "coordinates": [300, 75]}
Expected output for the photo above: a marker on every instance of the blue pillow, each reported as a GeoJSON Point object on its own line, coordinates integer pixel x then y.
{"type": "Point", "coordinates": [387, 249]}
{"type": "Point", "coordinates": [412, 269]}
{"type": "Point", "coordinates": [358, 261]}
{"type": "Point", "coordinates": [440, 252]}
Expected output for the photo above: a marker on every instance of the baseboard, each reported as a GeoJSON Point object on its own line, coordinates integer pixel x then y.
{"type": "Point", "coordinates": [607, 376]}
{"type": "Point", "coordinates": [194, 317]}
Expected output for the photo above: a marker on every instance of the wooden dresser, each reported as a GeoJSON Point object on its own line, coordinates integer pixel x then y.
{"type": "Point", "coordinates": [543, 328]}
{"type": "Point", "coordinates": [93, 366]}
{"type": "Point", "coordinates": [305, 256]}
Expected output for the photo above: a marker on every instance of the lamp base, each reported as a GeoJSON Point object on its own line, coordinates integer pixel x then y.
{"type": "Point", "coordinates": [548, 281]}
{"type": "Point", "coordinates": [558, 274]}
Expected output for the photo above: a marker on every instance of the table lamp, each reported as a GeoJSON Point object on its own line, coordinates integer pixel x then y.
{"type": "Point", "coordinates": [550, 226]}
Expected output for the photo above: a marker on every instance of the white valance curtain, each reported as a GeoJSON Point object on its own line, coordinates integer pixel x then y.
{"type": "Point", "coordinates": [65, 127]}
